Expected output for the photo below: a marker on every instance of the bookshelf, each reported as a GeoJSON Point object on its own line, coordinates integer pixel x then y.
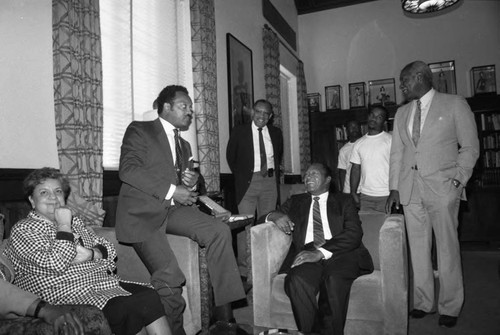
{"type": "Point", "coordinates": [487, 115]}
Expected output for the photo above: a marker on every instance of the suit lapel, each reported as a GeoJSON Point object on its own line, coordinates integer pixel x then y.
{"type": "Point", "coordinates": [406, 123]}
{"type": "Point", "coordinates": [303, 208]}
{"type": "Point", "coordinates": [432, 115]}
{"type": "Point", "coordinates": [164, 145]}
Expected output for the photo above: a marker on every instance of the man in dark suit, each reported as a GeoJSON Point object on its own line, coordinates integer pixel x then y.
{"type": "Point", "coordinates": [157, 196]}
{"type": "Point", "coordinates": [254, 155]}
{"type": "Point", "coordinates": [434, 149]}
{"type": "Point", "coordinates": [326, 254]}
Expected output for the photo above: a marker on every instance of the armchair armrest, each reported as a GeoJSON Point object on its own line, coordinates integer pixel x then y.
{"type": "Point", "coordinates": [269, 247]}
{"type": "Point", "coordinates": [394, 271]}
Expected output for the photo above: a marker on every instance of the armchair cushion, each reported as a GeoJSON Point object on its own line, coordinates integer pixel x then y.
{"type": "Point", "coordinates": [378, 302]}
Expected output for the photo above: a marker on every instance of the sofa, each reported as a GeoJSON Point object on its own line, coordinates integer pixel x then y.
{"type": "Point", "coordinates": [130, 267]}
{"type": "Point", "coordinates": [378, 301]}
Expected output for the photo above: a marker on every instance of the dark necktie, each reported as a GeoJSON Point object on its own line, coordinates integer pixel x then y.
{"type": "Point", "coordinates": [263, 156]}
{"type": "Point", "coordinates": [319, 236]}
{"type": "Point", "coordinates": [415, 134]}
{"type": "Point", "coordinates": [178, 156]}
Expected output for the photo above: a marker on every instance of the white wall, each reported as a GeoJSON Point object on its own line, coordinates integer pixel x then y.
{"type": "Point", "coordinates": [244, 20]}
{"type": "Point", "coordinates": [375, 40]}
{"type": "Point", "coordinates": [27, 123]}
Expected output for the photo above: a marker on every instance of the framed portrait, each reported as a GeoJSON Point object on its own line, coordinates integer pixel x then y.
{"type": "Point", "coordinates": [314, 102]}
{"type": "Point", "coordinates": [357, 95]}
{"type": "Point", "coordinates": [484, 80]}
{"type": "Point", "coordinates": [443, 77]}
{"type": "Point", "coordinates": [240, 81]}
{"type": "Point", "coordinates": [333, 97]}
{"type": "Point", "coordinates": [382, 92]}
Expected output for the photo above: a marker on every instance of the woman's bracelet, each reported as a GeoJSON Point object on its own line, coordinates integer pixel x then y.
{"type": "Point", "coordinates": [93, 254]}
{"type": "Point", "coordinates": [41, 304]}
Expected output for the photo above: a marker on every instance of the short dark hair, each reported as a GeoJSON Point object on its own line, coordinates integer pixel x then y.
{"type": "Point", "coordinates": [263, 101]}
{"type": "Point", "coordinates": [36, 177]}
{"type": "Point", "coordinates": [168, 94]}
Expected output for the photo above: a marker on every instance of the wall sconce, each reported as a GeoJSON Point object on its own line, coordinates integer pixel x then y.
{"type": "Point", "coordinates": [415, 8]}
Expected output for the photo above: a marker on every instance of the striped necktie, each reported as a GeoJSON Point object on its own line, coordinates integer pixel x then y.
{"type": "Point", "coordinates": [415, 134]}
{"type": "Point", "coordinates": [178, 156]}
{"type": "Point", "coordinates": [319, 236]}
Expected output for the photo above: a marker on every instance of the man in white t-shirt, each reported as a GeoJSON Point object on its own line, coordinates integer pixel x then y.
{"type": "Point", "coordinates": [344, 166]}
{"type": "Point", "coordinates": [370, 164]}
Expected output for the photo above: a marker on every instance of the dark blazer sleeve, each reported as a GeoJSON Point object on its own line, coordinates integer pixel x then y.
{"type": "Point", "coordinates": [344, 223]}
{"type": "Point", "coordinates": [137, 161]}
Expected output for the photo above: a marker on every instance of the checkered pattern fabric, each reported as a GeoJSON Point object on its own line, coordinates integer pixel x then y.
{"type": "Point", "coordinates": [43, 264]}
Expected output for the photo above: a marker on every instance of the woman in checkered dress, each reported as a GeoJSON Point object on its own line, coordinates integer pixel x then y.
{"type": "Point", "coordinates": [58, 258]}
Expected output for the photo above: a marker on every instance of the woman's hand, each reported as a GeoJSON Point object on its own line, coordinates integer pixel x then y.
{"type": "Point", "coordinates": [63, 217]}
{"type": "Point", "coordinates": [63, 320]}
{"type": "Point", "coordinates": [82, 255]}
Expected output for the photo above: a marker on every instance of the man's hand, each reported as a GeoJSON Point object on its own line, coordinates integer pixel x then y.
{"type": "Point", "coordinates": [393, 199]}
{"type": "Point", "coordinates": [355, 196]}
{"type": "Point", "coordinates": [82, 255]}
{"type": "Point", "coordinates": [307, 256]}
{"type": "Point", "coordinates": [64, 321]}
{"type": "Point", "coordinates": [190, 178]}
{"type": "Point", "coordinates": [285, 224]}
{"type": "Point", "coordinates": [63, 218]}
{"type": "Point", "coordinates": [184, 196]}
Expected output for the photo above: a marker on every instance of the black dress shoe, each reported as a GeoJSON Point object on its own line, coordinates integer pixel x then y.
{"type": "Point", "coordinates": [447, 321]}
{"type": "Point", "coordinates": [418, 313]}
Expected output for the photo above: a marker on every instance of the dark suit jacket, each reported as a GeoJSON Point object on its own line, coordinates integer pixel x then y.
{"type": "Point", "coordinates": [240, 156]}
{"type": "Point", "coordinates": [345, 226]}
{"type": "Point", "coordinates": [146, 170]}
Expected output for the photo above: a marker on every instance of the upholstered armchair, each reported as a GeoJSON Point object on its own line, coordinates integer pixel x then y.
{"type": "Point", "coordinates": [130, 267]}
{"type": "Point", "coordinates": [378, 302]}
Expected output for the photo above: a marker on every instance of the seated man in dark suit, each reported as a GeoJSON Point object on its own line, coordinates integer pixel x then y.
{"type": "Point", "coordinates": [326, 254]}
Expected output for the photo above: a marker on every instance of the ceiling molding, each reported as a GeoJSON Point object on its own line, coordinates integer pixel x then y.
{"type": "Point", "coordinates": [311, 6]}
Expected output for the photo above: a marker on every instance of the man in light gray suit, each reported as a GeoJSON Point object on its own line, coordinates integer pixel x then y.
{"type": "Point", "coordinates": [434, 149]}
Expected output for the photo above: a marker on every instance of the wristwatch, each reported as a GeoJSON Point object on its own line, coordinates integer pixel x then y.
{"type": "Point", "coordinates": [455, 183]}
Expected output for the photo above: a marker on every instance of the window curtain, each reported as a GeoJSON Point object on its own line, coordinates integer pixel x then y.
{"type": "Point", "coordinates": [303, 113]}
{"type": "Point", "coordinates": [272, 72]}
{"type": "Point", "coordinates": [78, 103]}
{"type": "Point", "coordinates": [205, 90]}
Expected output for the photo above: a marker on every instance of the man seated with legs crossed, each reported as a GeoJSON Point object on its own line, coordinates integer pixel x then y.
{"type": "Point", "coordinates": [326, 254]}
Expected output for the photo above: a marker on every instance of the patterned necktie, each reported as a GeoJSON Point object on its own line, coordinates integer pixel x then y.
{"type": "Point", "coordinates": [178, 156]}
{"type": "Point", "coordinates": [415, 134]}
{"type": "Point", "coordinates": [263, 156]}
{"type": "Point", "coordinates": [319, 236]}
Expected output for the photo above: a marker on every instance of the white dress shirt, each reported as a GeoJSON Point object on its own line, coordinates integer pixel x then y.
{"type": "Point", "coordinates": [256, 147]}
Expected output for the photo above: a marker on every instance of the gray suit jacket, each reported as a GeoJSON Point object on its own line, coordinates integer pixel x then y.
{"type": "Point", "coordinates": [448, 147]}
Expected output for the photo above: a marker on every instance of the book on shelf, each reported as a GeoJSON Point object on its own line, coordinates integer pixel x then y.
{"type": "Point", "coordinates": [490, 121]}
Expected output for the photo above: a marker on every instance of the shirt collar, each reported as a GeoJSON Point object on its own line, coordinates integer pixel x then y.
{"type": "Point", "coordinates": [169, 128]}
{"type": "Point", "coordinates": [426, 99]}
{"type": "Point", "coordinates": [322, 196]}
{"type": "Point", "coordinates": [254, 127]}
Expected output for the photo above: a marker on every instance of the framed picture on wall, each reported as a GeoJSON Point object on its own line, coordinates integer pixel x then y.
{"type": "Point", "coordinates": [240, 81]}
{"type": "Point", "coordinates": [314, 102]}
{"type": "Point", "coordinates": [333, 97]}
{"type": "Point", "coordinates": [443, 77]}
{"type": "Point", "coordinates": [483, 80]}
{"type": "Point", "coordinates": [357, 95]}
{"type": "Point", "coordinates": [382, 92]}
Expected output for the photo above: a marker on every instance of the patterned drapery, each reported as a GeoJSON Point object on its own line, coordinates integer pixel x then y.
{"type": "Point", "coordinates": [78, 102]}
{"type": "Point", "coordinates": [304, 136]}
{"type": "Point", "coordinates": [272, 72]}
{"type": "Point", "coordinates": [205, 90]}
